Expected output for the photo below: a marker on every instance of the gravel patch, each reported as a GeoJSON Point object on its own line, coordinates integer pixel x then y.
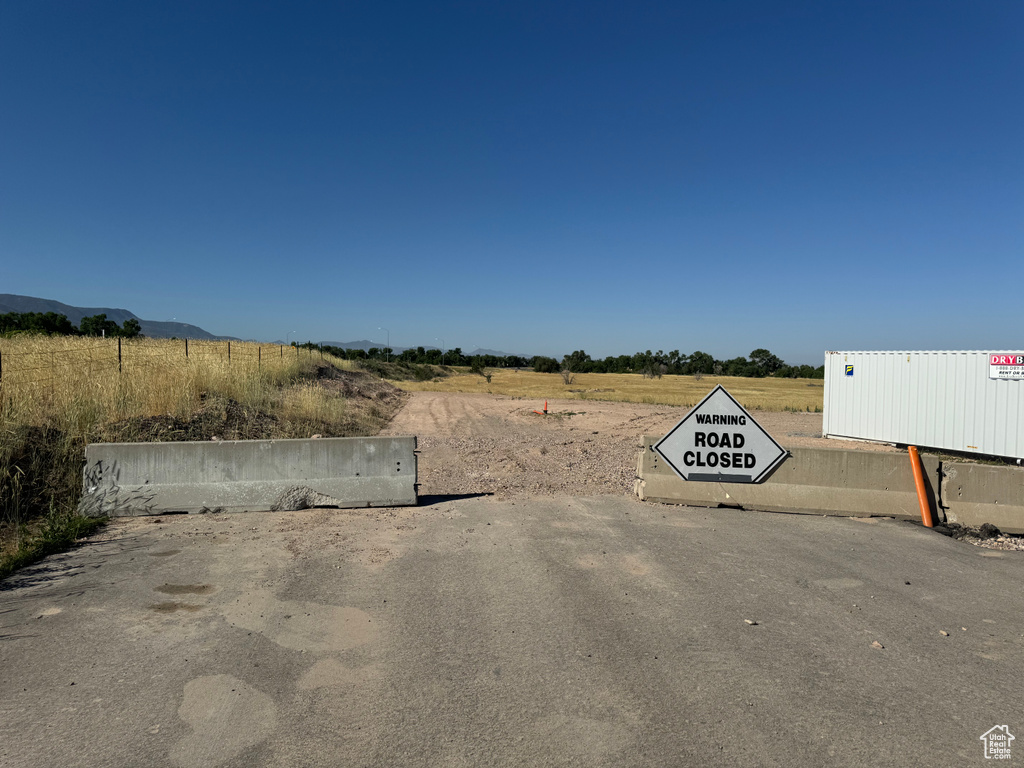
{"type": "Point", "coordinates": [987, 537]}
{"type": "Point", "coordinates": [499, 445]}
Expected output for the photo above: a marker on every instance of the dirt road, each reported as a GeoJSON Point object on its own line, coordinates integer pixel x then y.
{"type": "Point", "coordinates": [497, 445]}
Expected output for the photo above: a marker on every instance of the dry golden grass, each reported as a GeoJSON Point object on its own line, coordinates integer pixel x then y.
{"type": "Point", "coordinates": [759, 394]}
{"type": "Point", "coordinates": [74, 384]}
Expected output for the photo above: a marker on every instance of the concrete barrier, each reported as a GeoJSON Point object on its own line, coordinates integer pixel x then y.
{"type": "Point", "coordinates": [122, 479]}
{"type": "Point", "coordinates": [972, 494]}
{"type": "Point", "coordinates": [811, 480]}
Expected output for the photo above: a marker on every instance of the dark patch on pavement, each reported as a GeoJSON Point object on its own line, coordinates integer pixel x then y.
{"type": "Point", "coordinates": [185, 589]}
{"type": "Point", "coordinates": [172, 606]}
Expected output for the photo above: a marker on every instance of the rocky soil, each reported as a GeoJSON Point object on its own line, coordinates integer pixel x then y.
{"type": "Point", "coordinates": [492, 444]}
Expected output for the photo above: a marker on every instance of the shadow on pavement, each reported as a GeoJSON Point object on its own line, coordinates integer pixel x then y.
{"type": "Point", "coordinates": [72, 562]}
{"type": "Point", "coordinates": [426, 501]}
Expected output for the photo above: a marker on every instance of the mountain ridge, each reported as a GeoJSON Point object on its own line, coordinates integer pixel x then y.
{"type": "Point", "coordinates": [154, 329]}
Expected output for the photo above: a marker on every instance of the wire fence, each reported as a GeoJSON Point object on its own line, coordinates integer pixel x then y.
{"type": "Point", "coordinates": [47, 364]}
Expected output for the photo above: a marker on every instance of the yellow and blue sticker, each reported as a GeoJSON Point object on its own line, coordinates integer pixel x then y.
{"type": "Point", "coordinates": [849, 370]}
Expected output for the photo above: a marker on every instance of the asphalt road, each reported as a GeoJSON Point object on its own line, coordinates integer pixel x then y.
{"type": "Point", "coordinates": [470, 632]}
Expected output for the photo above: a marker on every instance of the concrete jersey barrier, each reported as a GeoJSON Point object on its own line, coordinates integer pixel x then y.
{"type": "Point", "coordinates": [973, 494]}
{"type": "Point", "coordinates": [123, 479]}
{"type": "Point", "coordinates": [843, 482]}
{"type": "Point", "coordinates": [811, 480]}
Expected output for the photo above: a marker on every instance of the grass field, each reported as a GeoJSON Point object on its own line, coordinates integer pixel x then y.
{"type": "Point", "coordinates": [76, 383]}
{"type": "Point", "coordinates": [758, 394]}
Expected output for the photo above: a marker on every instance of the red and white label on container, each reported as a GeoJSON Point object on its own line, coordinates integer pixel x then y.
{"type": "Point", "coordinates": [1006, 366]}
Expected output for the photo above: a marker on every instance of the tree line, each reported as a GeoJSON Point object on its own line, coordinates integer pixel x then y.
{"type": "Point", "coordinates": [759, 363]}
{"type": "Point", "coordinates": [54, 324]}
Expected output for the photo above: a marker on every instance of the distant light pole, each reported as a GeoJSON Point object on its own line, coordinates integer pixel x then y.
{"type": "Point", "coordinates": [438, 338]}
{"type": "Point", "coordinates": [286, 342]}
{"type": "Point", "coordinates": [387, 350]}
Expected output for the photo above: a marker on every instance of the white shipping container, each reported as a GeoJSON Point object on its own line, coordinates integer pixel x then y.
{"type": "Point", "coordinates": [958, 401]}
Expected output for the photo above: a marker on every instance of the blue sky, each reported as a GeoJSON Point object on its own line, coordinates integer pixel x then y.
{"type": "Point", "coordinates": [530, 177]}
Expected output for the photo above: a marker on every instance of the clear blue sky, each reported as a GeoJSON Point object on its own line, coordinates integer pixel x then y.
{"type": "Point", "coordinates": [530, 177]}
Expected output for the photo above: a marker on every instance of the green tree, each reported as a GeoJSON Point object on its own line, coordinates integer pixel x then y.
{"type": "Point", "coordinates": [649, 365]}
{"type": "Point", "coordinates": [131, 329]}
{"type": "Point", "coordinates": [700, 362]}
{"type": "Point", "coordinates": [739, 366]}
{"type": "Point", "coordinates": [49, 323]}
{"type": "Point", "coordinates": [578, 362]}
{"type": "Point", "coordinates": [98, 325]}
{"type": "Point", "coordinates": [543, 364]}
{"type": "Point", "coordinates": [764, 362]}
{"type": "Point", "coordinates": [675, 362]}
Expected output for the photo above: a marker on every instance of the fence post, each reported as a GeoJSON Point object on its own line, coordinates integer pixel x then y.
{"type": "Point", "coordinates": [229, 351]}
{"type": "Point", "coordinates": [186, 347]}
{"type": "Point", "coordinates": [282, 353]}
{"type": "Point", "coordinates": [259, 357]}
{"type": "Point", "coordinates": [119, 354]}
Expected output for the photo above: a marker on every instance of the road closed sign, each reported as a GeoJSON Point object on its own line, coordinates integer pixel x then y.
{"type": "Point", "coordinates": [719, 442]}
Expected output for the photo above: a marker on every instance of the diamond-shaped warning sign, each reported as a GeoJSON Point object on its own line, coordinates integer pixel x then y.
{"type": "Point", "coordinates": [719, 442]}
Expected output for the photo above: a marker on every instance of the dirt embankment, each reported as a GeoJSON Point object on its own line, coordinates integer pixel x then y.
{"type": "Point", "coordinates": [370, 404]}
{"type": "Point", "coordinates": [496, 444]}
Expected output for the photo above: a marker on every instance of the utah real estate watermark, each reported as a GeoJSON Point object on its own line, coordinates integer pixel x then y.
{"type": "Point", "coordinates": [997, 742]}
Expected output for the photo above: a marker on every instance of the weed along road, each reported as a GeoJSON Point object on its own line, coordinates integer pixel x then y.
{"type": "Point", "coordinates": [596, 631]}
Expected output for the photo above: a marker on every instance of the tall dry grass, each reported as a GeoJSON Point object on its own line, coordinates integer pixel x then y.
{"type": "Point", "coordinates": [75, 384]}
{"type": "Point", "coordinates": [758, 394]}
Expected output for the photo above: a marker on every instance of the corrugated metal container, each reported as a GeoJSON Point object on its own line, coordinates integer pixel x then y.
{"type": "Point", "coordinates": [958, 401]}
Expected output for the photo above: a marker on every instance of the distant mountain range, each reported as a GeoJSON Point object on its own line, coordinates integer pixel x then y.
{"type": "Point", "coordinates": [155, 329]}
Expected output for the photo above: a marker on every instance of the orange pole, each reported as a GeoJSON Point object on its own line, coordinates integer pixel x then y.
{"type": "Point", "coordinates": [922, 494]}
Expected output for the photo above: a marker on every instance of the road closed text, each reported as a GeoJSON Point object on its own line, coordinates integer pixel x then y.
{"type": "Point", "coordinates": [726, 459]}
{"type": "Point", "coordinates": [719, 442]}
